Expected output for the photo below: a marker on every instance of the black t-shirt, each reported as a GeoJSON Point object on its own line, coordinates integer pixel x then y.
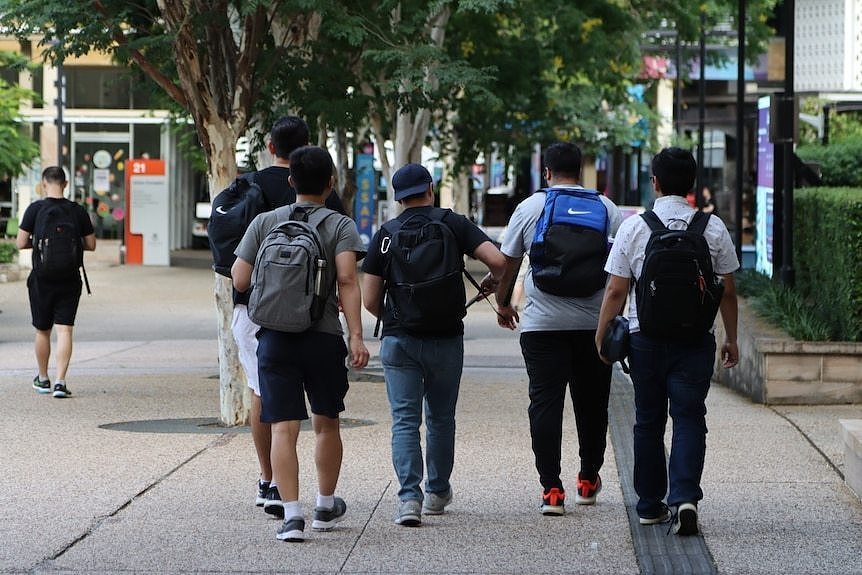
{"type": "Point", "coordinates": [28, 221]}
{"type": "Point", "coordinates": [468, 236]}
{"type": "Point", "coordinates": [273, 181]}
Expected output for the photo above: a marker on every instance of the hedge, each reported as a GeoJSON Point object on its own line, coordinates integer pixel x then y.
{"type": "Point", "coordinates": [827, 251]}
{"type": "Point", "coordinates": [840, 162]}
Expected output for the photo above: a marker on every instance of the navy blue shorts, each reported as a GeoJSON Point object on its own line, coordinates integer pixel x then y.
{"type": "Point", "coordinates": [53, 302]}
{"type": "Point", "coordinates": [291, 366]}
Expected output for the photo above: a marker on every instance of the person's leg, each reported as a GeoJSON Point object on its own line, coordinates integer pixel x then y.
{"type": "Point", "coordinates": [285, 464]}
{"type": "Point", "coordinates": [43, 351]}
{"type": "Point", "coordinates": [261, 434]}
{"type": "Point", "coordinates": [443, 361]}
{"type": "Point", "coordinates": [64, 350]}
{"type": "Point", "coordinates": [648, 360]}
{"type": "Point", "coordinates": [328, 451]}
{"type": "Point", "coordinates": [405, 389]}
{"type": "Point", "coordinates": [688, 385]}
{"type": "Point", "coordinates": [244, 333]}
{"type": "Point", "coordinates": [590, 391]}
{"type": "Point", "coordinates": [547, 363]}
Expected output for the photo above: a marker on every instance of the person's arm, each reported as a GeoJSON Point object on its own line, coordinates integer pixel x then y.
{"type": "Point", "coordinates": [89, 242]}
{"type": "Point", "coordinates": [23, 240]}
{"type": "Point", "coordinates": [351, 302]}
{"type": "Point", "coordinates": [507, 315]}
{"type": "Point", "coordinates": [372, 290]}
{"type": "Point", "coordinates": [729, 315]}
{"type": "Point", "coordinates": [616, 291]}
{"type": "Point", "coordinates": [240, 271]}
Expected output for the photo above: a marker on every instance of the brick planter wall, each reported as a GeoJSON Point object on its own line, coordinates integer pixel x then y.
{"type": "Point", "coordinates": [776, 369]}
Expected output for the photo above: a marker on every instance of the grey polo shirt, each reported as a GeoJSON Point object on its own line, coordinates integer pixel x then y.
{"type": "Point", "coordinates": [627, 255]}
{"type": "Point", "coordinates": [543, 311]}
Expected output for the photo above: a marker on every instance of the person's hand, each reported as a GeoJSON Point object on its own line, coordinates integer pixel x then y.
{"type": "Point", "coordinates": [729, 354]}
{"type": "Point", "coordinates": [605, 360]}
{"type": "Point", "coordinates": [358, 352]}
{"type": "Point", "coordinates": [507, 316]}
{"type": "Point", "coordinates": [488, 284]}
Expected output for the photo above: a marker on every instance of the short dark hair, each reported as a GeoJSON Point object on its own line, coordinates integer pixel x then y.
{"type": "Point", "coordinates": [675, 169]}
{"type": "Point", "coordinates": [288, 133]}
{"type": "Point", "coordinates": [54, 175]}
{"type": "Point", "coordinates": [563, 158]}
{"type": "Point", "coordinates": [311, 168]}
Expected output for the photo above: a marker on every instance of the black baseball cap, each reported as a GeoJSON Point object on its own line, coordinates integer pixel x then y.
{"type": "Point", "coordinates": [410, 180]}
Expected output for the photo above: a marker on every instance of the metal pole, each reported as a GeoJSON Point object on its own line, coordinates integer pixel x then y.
{"type": "Point", "coordinates": [740, 125]}
{"type": "Point", "coordinates": [59, 101]}
{"type": "Point", "coordinates": [787, 272]}
{"type": "Point", "coordinates": [678, 87]}
{"type": "Point", "coordinates": [698, 192]}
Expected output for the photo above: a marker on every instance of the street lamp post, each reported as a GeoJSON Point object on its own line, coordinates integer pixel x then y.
{"type": "Point", "coordinates": [789, 121]}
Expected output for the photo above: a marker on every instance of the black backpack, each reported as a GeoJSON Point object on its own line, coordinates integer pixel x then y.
{"type": "Point", "coordinates": [570, 245]}
{"type": "Point", "coordinates": [233, 209]}
{"type": "Point", "coordinates": [58, 249]}
{"type": "Point", "coordinates": [678, 294]}
{"type": "Point", "coordinates": [423, 273]}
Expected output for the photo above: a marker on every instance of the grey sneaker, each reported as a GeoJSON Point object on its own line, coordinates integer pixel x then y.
{"type": "Point", "coordinates": [292, 529]}
{"type": "Point", "coordinates": [685, 519]}
{"type": "Point", "coordinates": [325, 519]}
{"type": "Point", "coordinates": [60, 390]}
{"type": "Point", "coordinates": [262, 488]}
{"type": "Point", "coordinates": [409, 513]}
{"type": "Point", "coordinates": [435, 504]}
{"type": "Point", "coordinates": [42, 386]}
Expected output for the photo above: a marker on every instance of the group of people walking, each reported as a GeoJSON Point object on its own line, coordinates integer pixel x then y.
{"type": "Point", "coordinates": [585, 263]}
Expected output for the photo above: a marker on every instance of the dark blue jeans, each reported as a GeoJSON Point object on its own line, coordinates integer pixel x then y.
{"type": "Point", "coordinates": [557, 361]}
{"type": "Point", "coordinates": [669, 377]}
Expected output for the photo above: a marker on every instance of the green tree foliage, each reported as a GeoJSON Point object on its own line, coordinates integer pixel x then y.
{"type": "Point", "coordinates": [17, 148]}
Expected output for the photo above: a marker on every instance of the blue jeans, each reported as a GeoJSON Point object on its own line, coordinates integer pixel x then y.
{"type": "Point", "coordinates": [422, 372]}
{"type": "Point", "coordinates": [675, 374]}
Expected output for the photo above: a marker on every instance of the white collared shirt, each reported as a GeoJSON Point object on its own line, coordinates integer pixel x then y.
{"type": "Point", "coordinates": [627, 254]}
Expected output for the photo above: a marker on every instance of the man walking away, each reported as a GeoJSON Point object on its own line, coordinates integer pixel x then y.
{"type": "Point", "coordinates": [310, 363]}
{"type": "Point", "coordinates": [58, 230]}
{"type": "Point", "coordinates": [288, 133]}
{"type": "Point", "coordinates": [417, 260]}
{"type": "Point", "coordinates": [557, 329]}
{"type": "Point", "coordinates": [672, 345]}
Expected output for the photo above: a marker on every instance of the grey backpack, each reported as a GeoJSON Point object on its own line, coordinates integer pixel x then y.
{"type": "Point", "coordinates": [288, 285]}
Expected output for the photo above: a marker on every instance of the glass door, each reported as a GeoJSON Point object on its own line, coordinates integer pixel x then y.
{"type": "Point", "coordinates": [99, 160]}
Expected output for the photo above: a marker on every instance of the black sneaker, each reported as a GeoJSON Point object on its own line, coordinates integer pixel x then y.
{"type": "Point", "coordinates": [262, 488]}
{"type": "Point", "coordinates": [325, 519]}
{"type": "Point", "coordinates": [685, 519]}
{"type": "Point", "coordinates": [292, 530]}
{"type": "Point", "coordinates": [42, 386]}
{"type": "Point", "coordinates": [663, 516]}
{"type": "Point", "coordinates": [273, 504]}
{"type": "Point", "coordinates": [60, 390]}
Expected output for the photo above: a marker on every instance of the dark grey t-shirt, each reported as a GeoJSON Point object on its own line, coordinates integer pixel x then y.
{"type": "Point", "coordinates": [338, 233]}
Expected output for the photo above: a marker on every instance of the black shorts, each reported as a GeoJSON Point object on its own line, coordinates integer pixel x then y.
{"type": "Point", "coordinates": [293, 365]}
{"type": "Point", "coordinates": [53, 302]}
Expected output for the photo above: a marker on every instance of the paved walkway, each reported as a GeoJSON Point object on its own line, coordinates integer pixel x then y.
{"type": "Point", "coordinates": [129, 474]}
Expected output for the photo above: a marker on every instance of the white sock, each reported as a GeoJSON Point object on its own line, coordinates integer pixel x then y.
{"type": "Point", "coordinates": [292, 509]}
{"type": "Point", "coordinates": [60, 382]}
{"type": "Point", "coordinates": [325, 501]}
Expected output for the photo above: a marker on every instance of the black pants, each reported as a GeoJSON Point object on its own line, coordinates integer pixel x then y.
{"type": "Point", "coordinates": [556, 360]}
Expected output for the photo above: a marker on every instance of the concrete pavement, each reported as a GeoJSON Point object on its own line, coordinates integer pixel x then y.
{"type": "Point", "coordinates": [127, 475]}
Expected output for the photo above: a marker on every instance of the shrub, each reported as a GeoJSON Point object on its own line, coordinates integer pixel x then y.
{"type": "Point", "coordinates": [8, 251]}
{"type": "Point", "coordinates": [827, 257]}
{"type": "Point", "coordinates": [840, 162]}
{"type": "Point", "coordinates": [782, 306]}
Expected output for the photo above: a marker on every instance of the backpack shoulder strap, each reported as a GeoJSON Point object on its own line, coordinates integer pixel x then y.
{"type": "Point", "coordinates": [698, 223]}
{"type": "Point", "coordinates": [655, 224]}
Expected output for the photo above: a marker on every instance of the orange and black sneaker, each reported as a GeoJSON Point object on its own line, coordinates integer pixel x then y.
{"type": "Point", "coordinates": [587, 490]}
{"type": "Point", "coordinates": [554, 501]}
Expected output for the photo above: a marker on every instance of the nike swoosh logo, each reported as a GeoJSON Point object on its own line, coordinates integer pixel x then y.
{"type": "Point", "coordinates": [221, 210]}
{"type": "Point", "coordinates": [576, 212]}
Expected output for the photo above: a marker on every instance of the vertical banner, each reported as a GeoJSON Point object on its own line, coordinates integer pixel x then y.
{"type": "Point", "coordinates": [763, 245]}
{"type": "Point", "coordinates": [366, 192]}
{"type": "Point", "coordinates": [147, 202]}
